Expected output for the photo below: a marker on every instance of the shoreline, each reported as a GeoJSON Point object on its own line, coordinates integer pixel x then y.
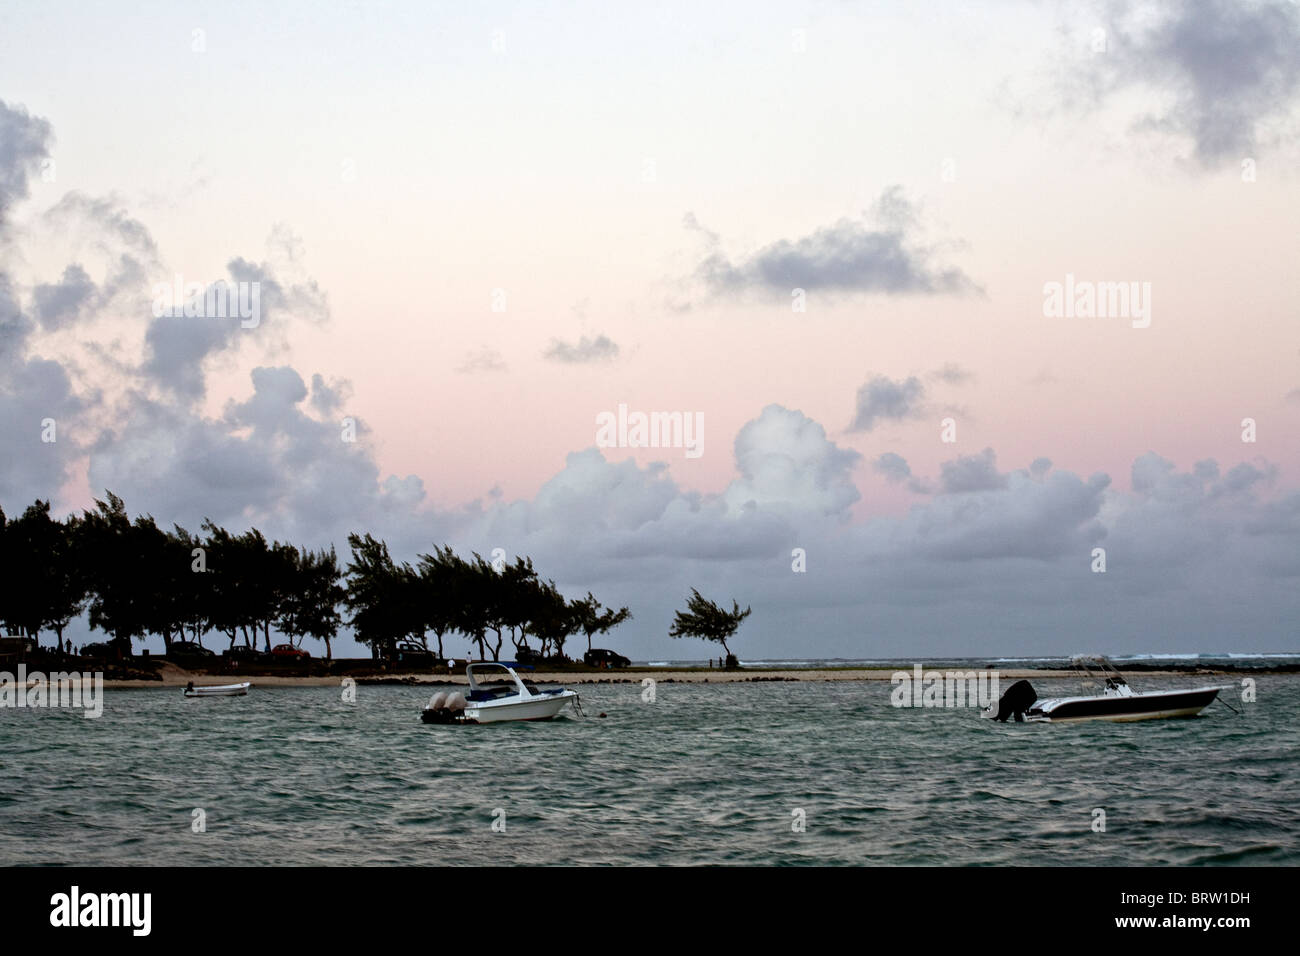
{"type": "Point", "coordinates": [174, 677]}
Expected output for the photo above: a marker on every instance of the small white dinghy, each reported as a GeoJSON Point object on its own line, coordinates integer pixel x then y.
{"type": "Point", "coordinates": [218, 690]}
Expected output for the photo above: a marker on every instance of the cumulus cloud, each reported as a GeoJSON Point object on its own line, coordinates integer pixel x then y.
{"type": "Point", "coordinates": [38, 405]}
{"type": "Point", "coordinates": [1225, 73]}
{"type": "Point", "coordinates": [59, 304]}
{"type": "Point", "coordinates": [787, 462]}
{"type": "Point", "coordinates": [24, 142]}
{"type": "Point", "coordinates": [879, 253]}
{"type": "Point", "coordinates": [883, 399]}
{"type": "Point", "coordinates": [896, 470]}
{"type": "Point", "coordinates": [971, 473]}
{"type": "Point", "coordinates": [598, 349]}
{"type": "Point", "coordinates": [264, 461]}
{"type": "Point", "coordinates": [178, 346]}
{"type": "Point", "coordinates": [893, 467]}
{"type": "Point", "coordinates": [991, 560]}
{"type": "Point", "coordinates": [328, 397]}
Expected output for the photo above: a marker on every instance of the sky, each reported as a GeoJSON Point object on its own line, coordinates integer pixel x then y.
{"type": "Point", "coordinates": [826, 234]}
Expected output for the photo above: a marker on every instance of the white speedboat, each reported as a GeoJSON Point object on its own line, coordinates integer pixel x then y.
{"type": "Point", "coordinates": [218, 690]}
{"type": "Point", "coordinates": [1117, 701]}
{"type": "Point", "coordinates": [508, 699]}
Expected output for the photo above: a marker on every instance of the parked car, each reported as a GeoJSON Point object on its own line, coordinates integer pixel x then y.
{"type": "Point", "coordinates": [189, 649]}
{"type": "Point", "coordinates": [241, 652]}
{"type": "Point", "coordinates": [526, 655]}
{"type": "Point", "coordinates": [600, 657]}
{"type": "Point", "coordinates": [409, 653]}
{"type": "Point", "coordinates": [97, 649]}
{"type": "Point", "coordinates": [287, 652]}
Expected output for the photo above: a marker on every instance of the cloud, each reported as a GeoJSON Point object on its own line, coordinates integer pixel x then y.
{"type": "Point", "coordinates": [177, 346]}
{"type": "Point", "coordinates": [38, 407]}
{"type": "Point", "coordinates": [896, 471]}
{"type": "Point", "coordinates": [598, 349]}
{"type": "Point", "coordinates": [989, 562]}
{"type": "Point", "coordinates": [882, 398]}
{"type": "Point", "coordinates": [24, 142]}
{"type": "Point", "coordinates": [328, 397]}
{"type": "Point", "coordinates": [786, 462]}
{"type": "Point", "coordinates": [1225, 73]}
{"type": "Point", "coordinates": [59, 304]}
{"type": "Point", "coordinates": [894, 467]}
{"type": "Point", "coordinates": [482, 360]}
{"type": "Point", "coordinates": [109, 225]}
{"type": "Point", "coordinates": [265, 461]}
{"type": "Point", "coordinates": [953, 374]}
{"type": "Point", "coordinates": [877, 254]}
{"type": "Point", "coordinates": [971, 473]}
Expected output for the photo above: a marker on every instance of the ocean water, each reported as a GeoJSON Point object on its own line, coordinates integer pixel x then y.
{"type": "Point", "coordinates": [704, 774]}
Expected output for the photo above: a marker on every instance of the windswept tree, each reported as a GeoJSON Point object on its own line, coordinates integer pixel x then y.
{"type": "Point", "coordinates": [109, 549]}
{"type": "Point", "coordinates": [43, 580]}
{"type": "Point", "coordinates": [373, 595]}
{"type": "Point", "coordinates": [194, 593]}
{"type": "Point", "coordinates": [440, 580]}
{"type": "Point", "coordinates": [594, 618]}
{"type": "Point", "coordinates": [550, 618]}
{"type": "Point", "coordinates": [520, 589]}
{"type": "Point", "coordinates": [157, 561]}
{"type": "Point", "coordinates": [704, 619]}
{"type": "Point", "coordinates": [477, 593]}
{"type": "Point", "coordinates": [309, 607]}
{"type": "Point", "coordinates": [222, 584]}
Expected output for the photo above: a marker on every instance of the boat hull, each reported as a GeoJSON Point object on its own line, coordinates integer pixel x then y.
{"type": "Point", "coordinates": [1159, 705]}
{"type": "Point", "coordinates": [222, 690]}
{"type": "Point", "coordinates": [538, 708]}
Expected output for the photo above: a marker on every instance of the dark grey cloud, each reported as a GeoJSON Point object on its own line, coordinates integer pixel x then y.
{"type": "Point", "coordinates": [264, 461]}
{"type": "Point", "coordinates": [883, 399]}
{"type": "Point", "coordinates": [37, 400]}
{"type": "Point", "coordinates": [598, 349]}
{"type": "Point", "coordinates": [894, 467]}
{"type": "Point", "coordinates": [59, 304]}
{"type": "Point", "coordinates": [24, 142]}
{"type": "Point", "coordinates": [1225, 71]}
{"type": "Point", "coordinates": [177, 346]}
{"type": "Point", "coordinates": [896, 471]}
{"type": "Point", "coordinates": [971, 473]}
{"type": "Point", "coordinates": [880, 253]}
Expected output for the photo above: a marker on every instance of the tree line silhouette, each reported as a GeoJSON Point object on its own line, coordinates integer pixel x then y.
{"type": "Point", "coordinates": [134, 579]}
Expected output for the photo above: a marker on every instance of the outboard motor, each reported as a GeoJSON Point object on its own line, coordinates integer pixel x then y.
{"type": "Point", "coordinates": [1019, 697]}
{"type": "Point", "coordinates": [444, 708]}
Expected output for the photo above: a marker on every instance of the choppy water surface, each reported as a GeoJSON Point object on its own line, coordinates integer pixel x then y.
{"type": "Point", "coordinates": [705, 774]}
